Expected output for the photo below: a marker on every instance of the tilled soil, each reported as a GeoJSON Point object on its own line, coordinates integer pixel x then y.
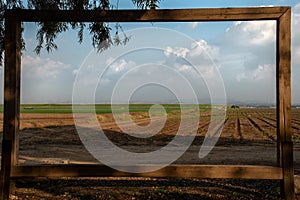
{"type": "Point", "coordinates": [146, 188]}
{"type": "Point", "coordinates": [52, 139]}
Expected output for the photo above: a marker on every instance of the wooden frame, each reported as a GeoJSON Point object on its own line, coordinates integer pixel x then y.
{"type": "Point", "coordinates": [283, 172]}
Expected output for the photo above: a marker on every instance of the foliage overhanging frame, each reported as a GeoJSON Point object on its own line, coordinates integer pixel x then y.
{"type": "Point", "coordinates": [284, 171]}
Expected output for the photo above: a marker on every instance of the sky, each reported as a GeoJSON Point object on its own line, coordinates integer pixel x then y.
{"type": "Point", "coordinates": [164, 62]}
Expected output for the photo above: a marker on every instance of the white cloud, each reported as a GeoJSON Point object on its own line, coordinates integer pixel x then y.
{"type": "Point", "coordinates": [296, 14]}
{"type": "Point", "coordinates": [296, 53]}
{"type": "Point", "coordinates": [194, 25]}
{"type": "Point", "coordinates": [253, 32]}
{"type": "Point", "coordinates": [295, 34]}
{"type": "Point", "coordinates": [42, 67]}
{"type": "Point", "coordinates": [254, 43]}
{"type": "Point", "coordinates": [184, 68]}
{"type": "Point", "coordinates": [201, 47]}
{"type": "Point", "coordinates": [262, 72]}
{"type": "Point", "coordinates": [196, 49]}
{"type": "Point", "coordinates": [248, 50]}
{"type": "Point", "coordinates": [268, 5]}
{"type": "Point", "coordinates": [237, 23]}
{"type": "Point", "coordinates": [176, 51]}
{"type": "Point", "coordinates": [120, 66]}
{"type": "Point", "coordinates": [105, 74]}
{"type": "Point", "coordinates": [199, 57]}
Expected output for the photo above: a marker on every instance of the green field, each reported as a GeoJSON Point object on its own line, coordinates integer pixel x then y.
{"type": "Point", "coordinates": [99, 108]}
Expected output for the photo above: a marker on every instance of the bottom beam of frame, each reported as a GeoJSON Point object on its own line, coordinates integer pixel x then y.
{"type": "Point", "coordinates": [180, 171]}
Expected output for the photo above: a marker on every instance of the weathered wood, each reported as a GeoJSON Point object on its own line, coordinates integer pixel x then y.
{"type": "Point", "coordinates": [287, 184]}
{"type": "Point", "coordinates": [203, 14]}
{"type": "Point", "coordinates": [11, 103]}
{"type": "Point", "coordinates": [284, 115]}
{"type": "Point", "coordinates": [182, 171]}
{"type": "Point", "coordinates": [284, 77]}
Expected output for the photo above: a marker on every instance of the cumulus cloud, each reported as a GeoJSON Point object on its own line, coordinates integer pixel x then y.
{"type": "Point", "coordinates": [201, 47]}
{"type": "Point", "coordinates": [120, 66]}
{"type": "Point", "coordinates": [42, 67]}
{"type": "Point", "coordinates": [184, 68]}
{"type": "Point", "coordinates": [253, 32]}
{"type": "Point", "coordinates": [262, 72]}
{"type": "Point", "coordinates": [246, 50]}
{"type": "Point", "coordinates": [197, 48]}
{"type": "Point", "coordinates": [103, 73]}
{"type": "Point", "coordinates": [199, 57]}
{"type": "Point", "coordinates": [176, 51]}
{"type": "Point", "coordinates": [45, 80]}
{"type": "Point", "coordinates": [249, 47]}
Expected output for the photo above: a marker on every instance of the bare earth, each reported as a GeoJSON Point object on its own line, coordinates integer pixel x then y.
{"type": "Point", "coordinates": [248, 137]}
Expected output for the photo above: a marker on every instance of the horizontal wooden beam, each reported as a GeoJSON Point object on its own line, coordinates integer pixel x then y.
{"type": "Point", "coordinates": [160, 15]}
{"type": "Point", "coordinates": [182, 171]}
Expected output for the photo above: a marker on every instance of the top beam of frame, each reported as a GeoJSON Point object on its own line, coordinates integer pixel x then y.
{"type": "Point", "coordinates": [160, 15]}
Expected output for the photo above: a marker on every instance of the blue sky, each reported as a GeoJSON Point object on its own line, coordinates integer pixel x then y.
{"type": "Point", "coordinates": [242, 54]}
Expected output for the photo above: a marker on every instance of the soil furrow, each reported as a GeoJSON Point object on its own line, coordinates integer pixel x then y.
{"type": "Point", "coordinates": [228, 128]}
{"type": "Point", "coordinates": [267, 122]}
{"type": "Point", "coordinates": [257, 130]}
{"type": "Point", "coordinates": [264, 133]}
{"type": "Point", "coordinates": [293, 125]}
{"type": "Point", "coordinates": [238, 129]}
{"type": "Point", "coordinates": [255, 124]}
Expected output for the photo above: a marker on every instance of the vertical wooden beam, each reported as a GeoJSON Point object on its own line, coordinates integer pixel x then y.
{"type": "Point", "coordinates": [287, 184]}
{"type": "Point", "coordinates": [11, 103]}
{"type": "Point", "coordinates": [284, 135]}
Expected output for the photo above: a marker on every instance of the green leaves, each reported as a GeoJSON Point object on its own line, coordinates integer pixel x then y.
{"type": "Point", "coordinates": [145, 4]}
{"type": "Point", "coordinates": [48, 31]}
{"type": "Point", "coordinates": [100, 32]}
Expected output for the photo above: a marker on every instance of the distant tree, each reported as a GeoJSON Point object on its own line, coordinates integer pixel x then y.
{"type": "Point", "coordinates": [48, 31]}
{"type": "Point", "coordinates": [235, 106]}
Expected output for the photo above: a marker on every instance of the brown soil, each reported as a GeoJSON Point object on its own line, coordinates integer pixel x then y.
{"type": "Point", "coordinates": [248, 137]}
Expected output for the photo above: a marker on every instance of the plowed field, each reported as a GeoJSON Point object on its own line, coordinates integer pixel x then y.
{"type": "Point", "coordinates": [248, 137]}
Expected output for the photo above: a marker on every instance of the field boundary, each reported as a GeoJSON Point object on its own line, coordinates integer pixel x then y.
{"type": "Point", "coordinates": [282, 15]}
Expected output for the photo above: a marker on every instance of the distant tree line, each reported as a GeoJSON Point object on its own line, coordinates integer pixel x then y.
{"type": "Point", "coordinates": [235, 106]}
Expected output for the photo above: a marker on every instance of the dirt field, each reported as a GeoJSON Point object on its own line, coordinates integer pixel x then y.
{"type": "Point", "coordinates": [248, 137]}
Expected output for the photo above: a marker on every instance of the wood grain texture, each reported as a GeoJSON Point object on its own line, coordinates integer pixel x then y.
{"type": "Point", "coordinates": [182, 171]}
{"type": "Point", "coordinates": [203, 14]}
{"type": "Point", "coordinates": [287, 184]}
{"type": "Point", "coordinates": [284, 77]}
{"type": "Point", "coordinates": [284, 113]}
{"type": "Point", "coordinates": [11, 103]}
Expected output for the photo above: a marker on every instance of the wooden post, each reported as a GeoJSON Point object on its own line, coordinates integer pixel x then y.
{"type": "Point", "coordinates": [11, 103]}
{"type": "Point", "coordinates": [284, 135]}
